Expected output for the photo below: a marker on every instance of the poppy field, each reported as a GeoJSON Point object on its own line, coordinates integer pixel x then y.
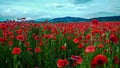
{"type": "Point", "coordinates": [91, 44]}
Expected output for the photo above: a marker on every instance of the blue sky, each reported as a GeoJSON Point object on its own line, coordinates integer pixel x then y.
{"type": "Point", "coordinates": [34, 9]}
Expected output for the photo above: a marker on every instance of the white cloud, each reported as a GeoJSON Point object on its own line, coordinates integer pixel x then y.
{"type": "Point", "coordinates": [64, 5]}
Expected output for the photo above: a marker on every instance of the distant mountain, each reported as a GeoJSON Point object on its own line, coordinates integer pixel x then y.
{"type": "Point", "coordinates": [110, 18]}
{"type": "Point", "coordinates": [77, 19]}
{"type": "Point", "coordinates": [68, 19]}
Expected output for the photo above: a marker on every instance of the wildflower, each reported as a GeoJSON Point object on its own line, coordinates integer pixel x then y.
{"type": "Point", "coordinates": [16, 50]}
{"type": "Point", "coordinates": [114, 38]}
{"type": "Point", "coordinates": [116, 60]}
{"type": "Point", "coordinates": [77, 59]}
{"type": "Point", "coordinates": [27, 44]}
{"type": "Point", "coordinates": [100, 46]}
{"type": "Point", "coordinates": [37, 50]}
{"type": "Point", "coordinates": [29, 49]}
{"type": "Point", "coordinates": [76, 40]}
{"type": "Point", "coordinates": [63, 47]}
{"type": "Point", "coordinates": [20, 37]}
{"type": "Point", "coordinates": [10, 43]}
{"type": "Point", "coordinates": [19, 31]}
{"type": "Point", "coordinates": [99, 60]}
{"type": "Point", "coordinates": [62, 63]}
{"type": "Point", "coordinates": [95, 22]}
{"type": "Point", "coordinates": [90, 49]}
{"type": "Point", "coordinates": [88, 36]}
{"type": "Point", "coordinates": [80, 45]}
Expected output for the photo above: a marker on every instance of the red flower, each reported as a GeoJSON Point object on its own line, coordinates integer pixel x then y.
{"type": "Point", "coordinates": [48, 36]}
{"type": "Point", "coordinates": [12, 37]}
{"type": "Point", "coordinates": [81, 45]}
{"type": "Point", "coordinates": [95, 22]}
{"type": "Point", "coordinates": [20, 37]}
{"type": "Point", "coordinates": [63, 47]}
{"type": "Point", "coordinates": [100, 46]}
{"type": "Point", "coordinates": [62, 63]}
{"type": "Point", "coordinates": [10, 43]}
{"type": "Point", "coordinates": [114, 38]}
{"type": "Point", "coordinates": [36, 37]}
{"type": "Point", "coordinates": [19, 31]}
{"type": "Point", "coordinates": [27, 44]}
{"type": "Point", "coordinates": [40, 43]}
{"type": "Point", "coordinates": [90, 49]}
{"type": "Point", "coordinates": [16, 50]}
{"type": "Point", "coordinates": [107, 41]}
{"type": "Point", "coordinates": [116, 60]}
{"type": "Point", "coordinates": [104, 51]}
{"type": "Point", "coordinates": [29, 49]}
{"type": "Point", "coordinates": [98, 60]}
{"type": "Point", "coordinates": [69, 37]}
{"type": "Point", "coordinates": [10, 33]}
{"type": "Point", "coordinates": [77, 59]}
{"type": "Point", "coordinates": [88, 36]}
{"type": "Point", "coordinates": [37, 50]}
{"type": "Point", "coordinates": [3, 39]}
{"type": "Point", "coordinates": [76, 40]}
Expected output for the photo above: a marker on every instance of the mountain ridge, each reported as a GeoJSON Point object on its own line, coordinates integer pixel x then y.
{"type": "Point", "coordinates": [76, 19]}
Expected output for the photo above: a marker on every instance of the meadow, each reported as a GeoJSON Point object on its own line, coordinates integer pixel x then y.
{"type": "Point", "coordinates": [91, 44]}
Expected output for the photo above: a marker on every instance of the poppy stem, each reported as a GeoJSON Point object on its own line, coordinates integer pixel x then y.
{"type": "Point", "coordinates": [15, 61]}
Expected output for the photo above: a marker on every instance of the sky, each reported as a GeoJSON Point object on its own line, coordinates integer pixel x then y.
{"type": "Point", "coordinates": [35, 9]}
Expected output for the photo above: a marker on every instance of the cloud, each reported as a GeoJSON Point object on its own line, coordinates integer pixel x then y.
{"type": "Point", "coordinates": [67, 4]}
{"type": "Point", "coordinates": [59, 6]}
{"type": "Point", "coordinates": [56, 5]}
{"type": "Point", "coordinates": [19, 11]}
{"type": "Point", "coordinates": [81, 8]}
{"type": "Point", "coordinates": [80, 1]}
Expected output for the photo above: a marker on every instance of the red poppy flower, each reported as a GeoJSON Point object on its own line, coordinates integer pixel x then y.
{"type": "Point", "coordinates": [19, 31]}
{"type": "Point", "coordinates": [48, 36]}
{"type": "Point", "coordinates": [80, 45]}
{"type": "Point", "coordinates": [62, 63]}
{"type": "Point", "coordinates": [95, 22]}
{"type": "Point", "coordinates": [37, 50]}
{"type": "Point", "coordinates": [88, 36]}
{"type": "Point", "coordinates": [114, 38]}
{"type": "Point", "coordinates": [100, 46]}
{"type": "Point", "coordinates": [3, 39]}
{"type": "Point", "coordinates": [36, 37]}
{"type": "Point", "coordinates": [63, 47]}
{"type": "Point", "coordinates": [10, 43]}
{"type": "Point", "coordinates": [69, 37]}
{"type": "Point", "coordinates": [27, 44]}
{"type": "Point", "coordinates": [114, 30]}
{"type": "Point", "coordinates": [98, 60]}
{"type": "Point", "coordinates": [107, 41]}
{"type": "Point", "coordinates": [76, 40]}
{"type": "Point", "coordinates": [10, 33]}
{"type": "Point", "coordinates": [116, 60]}
{"type": "Point", "coordinates": [77, 59]}
{"type": "Point", "coordinates": [90, 49]}
{"type": "Point", "coordinates": [29, 49]}
{"type": "Point", "coordinates": [12, 37]}
{"type": "Point", "coordinates": [20, 37]}
{"type": "Point", "coordinates": [16, 50]}
{"type": "Point", "coordinates": [40, 43]}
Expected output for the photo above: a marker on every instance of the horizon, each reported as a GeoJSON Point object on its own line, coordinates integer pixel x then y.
{"type": "Point", "coordinates": [35, 9]}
